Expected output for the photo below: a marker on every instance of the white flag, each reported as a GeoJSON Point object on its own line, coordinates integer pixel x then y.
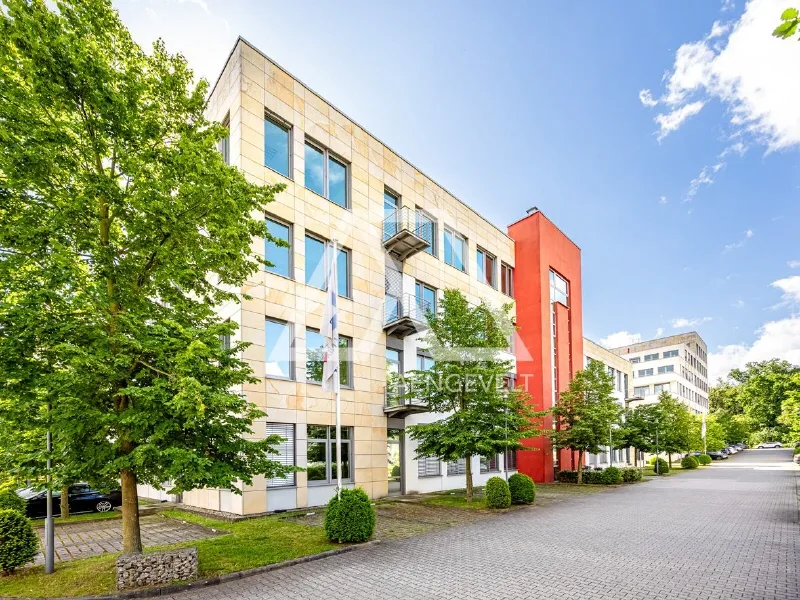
{"type": "Point", "coordinates": [329, 328]}
{"type": "Point", "coordinates": [703, 427]}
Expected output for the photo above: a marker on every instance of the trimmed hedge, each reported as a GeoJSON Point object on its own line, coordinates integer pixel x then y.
{"type": "Point", "coordinates": [568, 476]}
{"type": "Point", "coordinates": [522, 488]}
{"type": "Point", "coordinates": [497, 493]}
{"type": "Point", "coordinates": [351, 518]}
{"type": "Point", "coordinates": [11, 501]}
{"type": "Point", "coordinates": [663, 466]}
{"type": "Point", "coordinates": [611, 476]}
{"type": "Point", "coordinates": [704, 459]}
{"type": "Point", "coordinates": [689, 462]}
{"type": "Point", "coordinates": [19, 545]}
{"type": "Point", "coordinates": [631, 474]}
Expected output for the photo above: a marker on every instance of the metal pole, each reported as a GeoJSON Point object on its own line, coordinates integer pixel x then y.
{"type": "Point", "coordinates": [658, 471]}
{"type": "Point", "coordinates": [49, 533]}
{"type": "Point", "coordinates": [610, 448]}
{"type": "Point", "coordinates": [338, 443]}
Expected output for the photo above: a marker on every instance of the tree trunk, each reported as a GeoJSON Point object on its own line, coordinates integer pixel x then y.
{"type": "Point", "coordinates": [131, 535]}
{"type": "Point", "coordinates": [64, 501]}
{"type": "Point", "coordinates": [580, 466]}
{"type": "Point", "coordinates": [669, 455]}
{"type": "Point", "coordinates": [469, 479]}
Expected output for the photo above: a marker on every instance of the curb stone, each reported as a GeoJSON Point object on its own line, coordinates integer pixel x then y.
{"type": "Point", "coordinates": [211, 581]}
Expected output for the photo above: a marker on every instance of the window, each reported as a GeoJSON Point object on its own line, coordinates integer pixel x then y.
{"type": "Point", "coordinates": [507, 279]}
{"type": "Point", "coordinates": [225, 340]}
{"type": "Point", "coordinates": [276, 145]}
{"type": "Point", "coordinates": [455, 249]}
{"type": "Point", "coordinates": [279, 256]}
{"type": "Point", "coordinates": [510, 460]}
{"type": "Point", "coordinates": [424, 362]}
{"type": "Point", "coordinates": [429, 467]}
{"type": "Point", "coordinates": [326, 175]}
{"type": "Point", "coordinates": [486, 266]}
{"type": "Point", "coordinates": [670, 353]}
{"type": "Point", "coordinates": [315, 344]}
{"type": "Point", "coordinates": [636, 360]}
{"type": "Point", "coordinates": [426, 229]}
{"type": "Point", "coordinates": [559, 289]}
{"type": "Point", "coordinates": [426, 298]}
{"type": "Point", "coordinates": [661, 387]}
{"type": "Point", "coordinates": [666, 369]}
{"type": "Point", "coordinates": [643, 390]}
{"type": "Point", "coordinates": [490, 464]}
{"type": "Point", "coordinates": [644, 372]}
{"type": "Point", "coordinates": [279, 349]}
{"type": "Point", "coordinates": [457, 468]}
{"type": "Point", "coordinates": [321, 466]}
{"type": "Point", "coordinates": [315, 266]}
{"type": "Point", "coordinates": [285, 455]}
{"type": "Point", "coordinates": [649, 357]}
{"type": "Point", "coordinates": [391, 202]}
{"type": "Point", "coordinates": [224, 145]}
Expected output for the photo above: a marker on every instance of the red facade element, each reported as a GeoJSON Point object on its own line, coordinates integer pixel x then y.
{"type": "Point", "coordinates": [539, 248]}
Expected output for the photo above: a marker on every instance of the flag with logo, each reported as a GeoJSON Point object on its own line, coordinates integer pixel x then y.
{"type": "Point", "coordinates": [329, 328]}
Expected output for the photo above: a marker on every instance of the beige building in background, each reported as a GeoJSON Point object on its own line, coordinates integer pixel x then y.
{"type": "Point", "coordinates": [405, 239]}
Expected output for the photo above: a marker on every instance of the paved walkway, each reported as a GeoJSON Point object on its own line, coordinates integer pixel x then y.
{"type": "Point", "coordinates": [89, 538]}
{"type": "Point", "coordinates": [723, 532]}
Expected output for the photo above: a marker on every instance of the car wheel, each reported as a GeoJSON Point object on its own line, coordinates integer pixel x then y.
{"type": "Point", "coordinates": [103, 506]}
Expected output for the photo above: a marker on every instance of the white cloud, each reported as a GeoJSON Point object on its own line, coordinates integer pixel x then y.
{"type": "Point", "coordinates": [738, 304]}
{"type": "Point", "coordinates": [683, 322]}
{"type": "Point", "coordinates": [741, 65]}
{"type": "Point", "coordinates": [737, 148]}
{"type": "Point", "coordinates": [659, 332]}
{"type": "Point", "coordinates": [620, 338]}
{"type": "Point", "coordinates": [790, 286]}
{"type": "Point", "coordinates": [734, 245]}
{"type": "Point", "coordinates": [776, 339]}
{"type": "Point", "coordinates": [793, 264]}
{"type": "Point", "coordinates": [663, 200]}
{"type": "Point", "coordinates": [646, 98]}
{"type": "Point", "coordinates": [705, 177]}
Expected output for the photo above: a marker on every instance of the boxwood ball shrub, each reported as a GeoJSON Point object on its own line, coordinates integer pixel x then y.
{"type": "Point", "coordinates": [704, 459]}
{"type": "Point", "coordinates": [350, 518]}
{"type": "Point", "coordinates": [631, 474]}
{"type": "Point", "coordinates": [497, 493]}
{"type": "Point", "coordinates": [10, 500]}
{"type": "Point", "coordinates": [522, 488]}
{"type": "Point", "coordinates": [18, 543]}
{"type": "Point", "coordinates": [689, 462]}
{"type": "Point", "coordinates": [663, 466]}
{"type": "Point", "coordinates": [611, 476]}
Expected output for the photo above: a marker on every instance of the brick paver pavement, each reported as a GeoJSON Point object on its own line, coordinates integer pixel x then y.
{"type": "Point", "coordinates": [89, 538]}
{"type": "Point", "coordinates": [729, 531]}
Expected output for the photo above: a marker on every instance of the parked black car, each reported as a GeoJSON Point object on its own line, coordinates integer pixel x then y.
{"type": "Point", "coordinates": [717, 455]}
{"type": "Point", "coordinates": [82, 498]}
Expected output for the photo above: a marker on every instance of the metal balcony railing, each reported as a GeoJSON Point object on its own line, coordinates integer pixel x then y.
{"type": "Point", "coordinates": [405, 232]}
{"type": "Point", "coordinates": [397, 404]}
{"type": "Point", "coordinates": [405, 315]}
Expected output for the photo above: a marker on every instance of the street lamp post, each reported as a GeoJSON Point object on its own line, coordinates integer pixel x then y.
{"type": "Point", "coordinates": [49, 534]}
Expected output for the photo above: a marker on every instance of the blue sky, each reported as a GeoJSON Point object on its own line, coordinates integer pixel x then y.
{"type": "Point", "coordinates": [661, 137]}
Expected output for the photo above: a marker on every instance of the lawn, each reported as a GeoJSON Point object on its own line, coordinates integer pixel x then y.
{"type": "Point", "coordinates": [96, 516]}
{"type": "Point", "coordinates": [250, 543]}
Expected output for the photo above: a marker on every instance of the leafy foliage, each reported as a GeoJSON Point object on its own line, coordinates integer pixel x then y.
{"type": "Point", "coordinates": [497, 493]}
{"type": "Point", "coordinates": [19, 544]}
{"type": "Point", "coordinates": [9, 500]}
{"type": "Point", "coordinates": [660, 466]}
{"type": "Point", "coordinates": [522, 488]}
{"type": "Point", "coordinates": [351, 518]}
{"type": "Point", "coordinates": [585, 412]}
{"type": "Point", "coordinates": [789, 22]}
{"type": "Point", "coordinates": [690, 462]}
{"type": "Point", "coordinates": [704, 459]}
{"type": "Point", "coordinates": [123, 229]}
{"type": "Point", "coordinates": [612, 476]}
{"type": "Point", "coordinates": [466, 384]}
{"type": "Point", "coordinates": [631, 474]}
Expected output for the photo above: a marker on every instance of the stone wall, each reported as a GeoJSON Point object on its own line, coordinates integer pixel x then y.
{"type": "Point", "coordinates": [142, 570]}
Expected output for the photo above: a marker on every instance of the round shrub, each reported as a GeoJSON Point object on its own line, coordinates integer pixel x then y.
{"type": "Point", "coordinates": [704, 459]}
{"type": "Point", "coordinates": [19, 545]}
{"type": "Point", "coordinates": [661, 464]}
{"type": "Point", "coordinates": [631, 474]}
{"type": "Point", "coordinates": [611, 476]}
{"type": "Point", "coordinates": [689, 462]}
{"type": "Point", "coordinates": [497, 493]}
{"type": "Point", "coordinates": [396, 471]}
{"type": "Point", "coordinates": [351, 518]}
{"type": "Point", "coordinates": [10, 500]}
{"type": "Point", "coordinates": [522, 488]}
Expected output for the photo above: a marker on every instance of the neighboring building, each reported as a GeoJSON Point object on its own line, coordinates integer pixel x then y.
{"type": "Point", "coordinates": [621, 372]}
{"type": "Point", "coordinates": [404, 239]}
{"type": "Point", "coordinates": [677, 364]}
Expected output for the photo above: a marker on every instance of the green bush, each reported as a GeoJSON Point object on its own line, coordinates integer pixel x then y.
{"type": "Point", "coordinates": [703, 459]}
{"type": "Point", "coordinates": [10, 500]}
{"type": "Point", "coordinates": [611, 476]}
{"type": "Point", "coordinates": [568, 476]}
{"type": "Point", "coordinates": [522, 488]}
{"type": "Point", "coordinates": [351, 518]}
{"type": "Point", "coordinates": [631, 474]}
{"type": "Point", "coordinates": [497, 493]}
{"type": "Point", "coordinates": [19, 545]}
{"type": "Point", "coordinates": [396, 471]}
{"type": "Point", "coordinates": [689, 462]}
{"type": "Point", "coordinates": [663, 466]}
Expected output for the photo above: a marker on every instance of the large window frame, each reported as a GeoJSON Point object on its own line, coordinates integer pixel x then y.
{"type": "Point", "coordinates": [507, 279]}
{"type": "Point", "coordinates": [291, 350]}
{"type": "Point", "coordinates": [421, 290]}
{"type": "Point", "coordinates": [273, 120]}
{"type": "Point", "coordinates": [327, 158]}
{"type": "Point", "coordinates": [490, 464]}
{"type": "Point", "coordinates": [287, 453]}
{"type": "Point", "coordinates": [487, 267]}
{"type": "Point", "coordinates": [458, 467]}
{"type": "Point", "coordinates": [311, 275]}
{"type": "Point", "coordinates": [429, 466]}
{"type": "Point", "coordinates": [224, 144]}
{"type": "Point", "coordinates": [454, 236]}
{"type": "Point", "coordinates": [422, 218]}
{"type": "Point", "coordinates": [326, 434]}
{"type": "Point", "coordinates": [345, 348]}
{"type": "Point", "coordinates": [275, 248]}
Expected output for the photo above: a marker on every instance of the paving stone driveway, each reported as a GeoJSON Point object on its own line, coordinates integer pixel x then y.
{"type": "Point", "coordinates": [727, 531]}
{"type": "Point", "coordinates": [89, 538]}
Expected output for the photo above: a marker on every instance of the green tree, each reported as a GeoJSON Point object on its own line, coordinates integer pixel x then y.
{"type": "Point", "coordinates": [639, 429]}
{"type": "Point", "coordinates": [762, 388]}
{"type": "Point", "coordinates": [466, 385]}
{"type": "Point", "coordinates": [790, 19]}
{"type": "Point", "coordinates": [715, 434]}
{"type": "Point", "coordinates": [122, 229]}
{"type": "Point", "coordinates": [674, 423]}
{"type": "Point", "coordinates": [585, 412]}
{"type": "Point", "coordinates": [790, 411]}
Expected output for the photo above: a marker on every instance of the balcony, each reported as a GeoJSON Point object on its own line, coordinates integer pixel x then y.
{"type": "Point", "coordinates": [397, 404]}
{"type": "Point", "coordinates": [404, 316]}
{"type": "Point", "coordinates": [404, 236]}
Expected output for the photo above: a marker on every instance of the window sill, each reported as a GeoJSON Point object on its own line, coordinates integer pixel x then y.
{"type": "Point", "coordinates": [322, 290]}
{"type": "Point", "coordinates": [287, 177]}
{"type": "Point", "coordinates": [325, 483]}
{"type": "Point", "coordinates": [281, 275]}
{"type": "Point", "coordinates": [341, 385]}
{"type": "Point", "coordinates": [428, 476]}
{"type": "Point", "coordinates": [277, 378]}
{"type": "Point", "coordinates": [346, 207]}
{"type": "Point", "coordinates": [282, 487]}
{"type": "Point", "coordinates": [456, 268]}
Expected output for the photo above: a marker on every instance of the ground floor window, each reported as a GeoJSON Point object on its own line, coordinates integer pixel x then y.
{"type": "Point", "coordinates": [286, 453]}
{"type": "Point", "coordinates": [490, 464]}
{"type": "Point", "coordinates": [429, 467]}
{"type": "Point", "coordinates": [321, 450]}
{"type": "Point", "coordinates": [458, 467]}
{"type": "Point", "coordinates": [510, 460]}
